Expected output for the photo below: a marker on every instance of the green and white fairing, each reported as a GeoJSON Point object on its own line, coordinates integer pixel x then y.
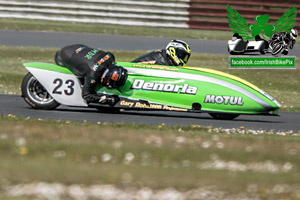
{"type": "Point", "coordinates": [158, 87]}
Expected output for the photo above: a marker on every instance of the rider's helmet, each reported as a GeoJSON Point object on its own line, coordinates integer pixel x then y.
{"type": "Point", "coordinates": [236, 36]}
{"type": "Point", "coordinates": [179, 52]}
{"type": "Point", "coordinates": [293, 33]}
{"type": "Point", "coordinates": [114, 77]}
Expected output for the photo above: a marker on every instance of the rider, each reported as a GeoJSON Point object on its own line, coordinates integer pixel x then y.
{"type": "Point", "coordinates": [90, 64]}
{"type": "Point", "coordinates": [177, 53]}
{"type": "Point", "coordinates": [289, 38]}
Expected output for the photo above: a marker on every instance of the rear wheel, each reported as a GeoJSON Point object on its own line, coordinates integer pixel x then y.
{"type": "Point", "coordinates": [264, 47]}
{"type": "Point", "coordinates": [36, 95]}
{"type": "Point", "coordinates": [262, 51]}
{"type": "Point", "coordinates": [223, 116]}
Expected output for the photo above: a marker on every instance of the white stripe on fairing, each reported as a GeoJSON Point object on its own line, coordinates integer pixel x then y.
{"type": "Point", "coordinates": [167, 74]}
{"type": "Point", "coordinates": [269, 97]}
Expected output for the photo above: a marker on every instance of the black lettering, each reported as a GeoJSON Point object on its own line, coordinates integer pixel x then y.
{"type": "Point", "coordinates": [59, 83]}
{"type": "Point", "coordinates": [70, 84]}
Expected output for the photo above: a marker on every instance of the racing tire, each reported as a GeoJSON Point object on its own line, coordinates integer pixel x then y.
{"type": "Point", "coordinates": [262, 51]}
{"type": "Point", "coordinates": [285, 52]}
{"type": "Point", "coordinates": [264, 48]}
{"type": "Point", "coordinates": [223, 116]}
{"type": "Point", "coordinates": [36, 95]}
{"type": "Point", "coordinates": [277, 48]}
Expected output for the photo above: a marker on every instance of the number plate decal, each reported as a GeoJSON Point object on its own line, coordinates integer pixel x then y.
{"type": "Point", "coordinates": [64, 88]}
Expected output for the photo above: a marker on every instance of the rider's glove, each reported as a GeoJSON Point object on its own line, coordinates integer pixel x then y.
{"type": "Point", "coordinates": [110, 100]}
{"type": "Point", "coordinates": [103, 99]}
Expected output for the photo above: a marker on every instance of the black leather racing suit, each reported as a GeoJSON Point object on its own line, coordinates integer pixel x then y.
{"type": "Point", "coordinates": [282, 36]}
{"type": "Point", "coordinates": [159, 57]}
{"type": "Point", "coordinates": [88, 64]}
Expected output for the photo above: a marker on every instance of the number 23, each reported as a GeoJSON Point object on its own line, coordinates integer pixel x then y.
{"type": "Point", "coordinates": [59, 82]}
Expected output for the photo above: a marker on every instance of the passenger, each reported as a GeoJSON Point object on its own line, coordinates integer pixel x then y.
{"type": "Point", "coordinates": [177, 53]}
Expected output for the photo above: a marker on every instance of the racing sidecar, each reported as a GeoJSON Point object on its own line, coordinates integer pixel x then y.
{"type": "Point", "coordinates": [238, 46]}
{"type": "Point", "coordinates": [152, 87]}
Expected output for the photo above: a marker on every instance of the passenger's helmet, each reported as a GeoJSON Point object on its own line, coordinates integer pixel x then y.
{"type": "Point", "coordinates": [114, 77]}
{"type": "Point", "coordinates": [294, 33]}
{"type": "Point", "coordinates": [236, 36]}
{"type": "Point", "coordinates": [179, 52]}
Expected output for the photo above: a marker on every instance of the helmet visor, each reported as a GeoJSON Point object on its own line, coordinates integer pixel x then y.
{"type": "Point", "coordinates": [114, 77]}
{"type": "Point", "coordinates": [183, 55]}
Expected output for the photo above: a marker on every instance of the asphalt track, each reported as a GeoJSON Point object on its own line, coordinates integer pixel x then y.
{"type": "Point", "coordinates": [15, 105]}
{"type": "Point", "coordinates": [102, 41]}
{"type": "Point", "coordinates": [109, 42]}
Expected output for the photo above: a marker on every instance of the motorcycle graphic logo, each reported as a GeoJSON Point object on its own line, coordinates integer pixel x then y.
{"type": "Point", "coordinates": [275, 38]}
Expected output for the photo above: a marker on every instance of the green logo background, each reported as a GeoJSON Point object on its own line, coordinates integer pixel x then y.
{"type": "Point", "coordinates": [239, 25]}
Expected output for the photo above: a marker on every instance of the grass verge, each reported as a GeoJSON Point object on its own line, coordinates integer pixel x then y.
{"type": "Point", "coordinates": [280, 84]}
{"type": "Point", "coordinates": [137, 156]}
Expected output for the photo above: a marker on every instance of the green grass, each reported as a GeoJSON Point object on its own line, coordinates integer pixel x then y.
{"type": "Point", "coordinates": [71, 153]}
{"type": "Point", "coordinates": [283, 85]}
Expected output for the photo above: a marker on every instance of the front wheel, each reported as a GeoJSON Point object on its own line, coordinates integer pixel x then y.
{"type": "Point", "coordinates": [277, 48]}
{"type": "Point", "coordinates": [36, 95]}
{"type": "Point", "coordinates": [223, 116]}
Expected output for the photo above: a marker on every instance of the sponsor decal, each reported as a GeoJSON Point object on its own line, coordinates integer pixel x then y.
{"type": "Point", "coordinates": [91, 53]}
{"type": "Point", "coordinates": [171, 108]}
{"type": "Point", "coordinates": [95, 67]}
{"type": "Point", "coordinates": [267, 95]}
{"type": "Point", "coordinates": [104, 74]}
{"type": "Point", "coordinates": [29, 102]}
{"type": "Point", "coordinates": [149, 62]}
{"type": "Point", "coordinates": [115, 76]}
{"type": "Point", "coordinates": [131, 104]}
{"type": "Point", "coordinates": [161, 87]}
{"type": "Point", "coordinates": [127, 103]}
{"type": "Point", "coordinates": [93, 81]}
{"type": "Point", "coordinates": [156, 67]}
{"type": "Point", "coordinates": [207, 79]}
{"type": "Point", "coordinates": [226, 100]}
{"type": "Point", "coordinates": [146, 105]}
{"type": "Point", "coordinates": [79, 49]}
{"type": "Point", "coordinates": [100, 62]}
